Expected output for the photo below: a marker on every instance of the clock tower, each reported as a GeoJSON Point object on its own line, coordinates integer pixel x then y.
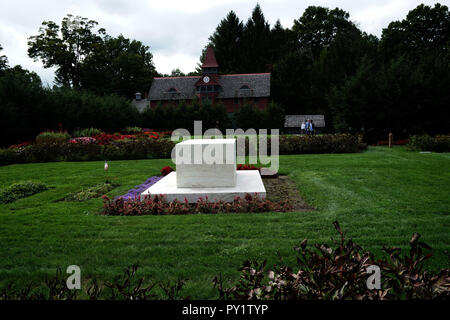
{"type": "Point", "coordinates": [208, 87]}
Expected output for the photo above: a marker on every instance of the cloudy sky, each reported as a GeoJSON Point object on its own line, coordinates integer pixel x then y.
{"type": "Point", "coordinates": [175, 30]}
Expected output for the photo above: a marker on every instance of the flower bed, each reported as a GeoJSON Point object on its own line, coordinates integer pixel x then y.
{"type": "Point", "coordinates": [158, 205]}
{"type": "Point", "coordinates": [135, 193]}
{"type": "Point", "coordinates": [21, 190]}
{"type": "Point", "coordinates": [83, 140]}
{"type": "Point", "coordinates": [90, 193]}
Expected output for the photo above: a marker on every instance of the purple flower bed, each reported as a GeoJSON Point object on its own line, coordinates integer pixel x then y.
{"type": "Point", "coordinates": [137, 190]}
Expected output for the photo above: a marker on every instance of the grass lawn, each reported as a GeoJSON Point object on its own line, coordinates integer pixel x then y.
{"type": "Point", "coordinates": [380, 197]}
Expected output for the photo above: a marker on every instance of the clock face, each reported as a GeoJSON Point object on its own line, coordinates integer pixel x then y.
{"type": "Point", "coordinates": [205, 79]}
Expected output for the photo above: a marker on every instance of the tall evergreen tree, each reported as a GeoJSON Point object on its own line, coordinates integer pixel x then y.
{"type": "Point", "coordinates": [226, 41]}
{"type": "Point", "coordinates": [282, 41]}
{"type": "Point", "coordinates": [256, 43]}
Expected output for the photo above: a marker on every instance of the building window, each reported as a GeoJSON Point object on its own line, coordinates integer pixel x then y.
{"type": "Point", "coordinates": [236, 100]}
{"type": "Point", "coordinates": [172, 92]}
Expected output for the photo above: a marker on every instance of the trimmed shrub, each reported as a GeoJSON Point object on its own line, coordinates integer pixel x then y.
{"type": "Point", "coordinates": [89, 151]}
{"type": "Point", "coordinates": [439, 143]}
{"type": "Point", "coordinates": [21, 190]}
{"type": "Point", "coordinates": [86, 132]}
{"type": "Point", "coordinates": [132, 130]}
{"type": "Point", "coordinates": [50, 136]}
{"type": "Point", "coordinates": [330, 143]}
{"type": "Point", "coordinates": [150, 146]}
{"type": "Point", "coordinates": [160, 149]}
{"type": "Point", "coordinates": [7, 156]}
{"type": "Point", "coordinates": [15, 155]}
{"type": "Point", "coordinates": [48, 151]}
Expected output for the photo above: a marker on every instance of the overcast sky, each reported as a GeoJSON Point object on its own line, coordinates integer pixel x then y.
{"type": "Point", "coordinates": [176, 31]}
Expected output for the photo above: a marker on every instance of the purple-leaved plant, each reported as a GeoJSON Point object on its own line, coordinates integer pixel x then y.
{"type": "Point", "coordinates": [134, 193]}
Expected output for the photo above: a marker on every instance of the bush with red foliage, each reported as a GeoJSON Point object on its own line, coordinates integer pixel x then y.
{"type": "Point", "coordinates": [325, 273]}
{"type": "Point", "coordinates": [106, 138]}
{"type": "Point", "coordinates": [246, 167]}
{"type": "Point", "coordinates": [158, 205]}
{"type": "Point", "coordinates": [166, 170]}
{"type": "Point", "coordinates": [151, 134]}
{"type": "Point", "coordinates": [19, 145]}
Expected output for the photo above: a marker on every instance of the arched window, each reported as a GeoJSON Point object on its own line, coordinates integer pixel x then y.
{"type": "Point", "coordinates": [245, 87]}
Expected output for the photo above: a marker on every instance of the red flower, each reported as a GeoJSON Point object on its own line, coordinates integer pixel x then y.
{"type": "Point", "coordinates": [166, 170]}
{"type": "Point", "coordinates": [246, 167]}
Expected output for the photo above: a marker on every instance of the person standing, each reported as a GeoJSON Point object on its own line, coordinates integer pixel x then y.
{"type": "Point", "coordinates": [302, 127]}
{"type": "Point", "coordinates": [307, 128]}
{"type": "Point", "coordinates": [311, 127]}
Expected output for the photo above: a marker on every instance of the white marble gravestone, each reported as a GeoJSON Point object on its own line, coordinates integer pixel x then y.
{"type": "Point", "coordinates": [207, 168]}
{"type": "Point", "coordinates": [204, 163]}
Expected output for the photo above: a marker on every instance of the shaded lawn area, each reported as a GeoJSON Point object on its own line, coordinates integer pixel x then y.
{"type": "Point", "coordinates": [380, 197]}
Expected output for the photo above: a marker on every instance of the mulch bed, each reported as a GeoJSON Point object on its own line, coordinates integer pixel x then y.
{"type": "Point", "coordinates": [282, 188]}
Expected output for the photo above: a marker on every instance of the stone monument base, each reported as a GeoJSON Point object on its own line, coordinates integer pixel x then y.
{"type": "Point", "coordinates": [247, 181]}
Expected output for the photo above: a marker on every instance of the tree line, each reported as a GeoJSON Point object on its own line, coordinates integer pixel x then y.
{"type": "Point", "coordinates": [326, 65]}
{"type": "Point", "coordinates": [323, 64]}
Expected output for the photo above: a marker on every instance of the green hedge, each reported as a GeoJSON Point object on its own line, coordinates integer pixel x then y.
{"type": "Point", "coordinates": [50, 151]}
{"type": "Point", "coordinates": [439, 143]}
{"type": "Point", "coordinates": [54, 150]}
{"type": "Point", "coordinates": [329, 143]}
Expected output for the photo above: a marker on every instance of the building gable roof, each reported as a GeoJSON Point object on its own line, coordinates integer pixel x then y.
{"type": "Point", "coordinates": [185, 87]}
{"type": "Point", "coordinates": [230, 87]}
{"type": "Point", "coordinates": [258, 83]}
